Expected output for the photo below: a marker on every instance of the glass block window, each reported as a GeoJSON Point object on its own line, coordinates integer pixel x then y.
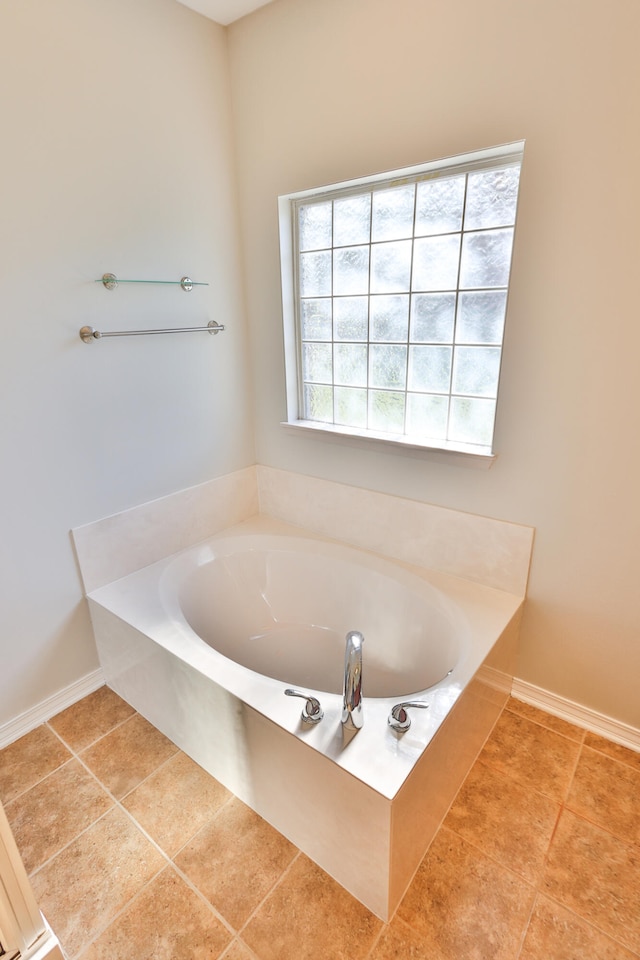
{"type": "Point", "coordinates": [399, 299]}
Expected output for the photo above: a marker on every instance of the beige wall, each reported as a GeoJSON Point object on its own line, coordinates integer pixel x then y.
{"type": "Point", "coordinates": [326, 90]}
{"type": "Point", "coordinates": [116, 156]}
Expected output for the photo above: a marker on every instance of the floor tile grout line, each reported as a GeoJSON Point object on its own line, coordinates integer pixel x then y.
{"type": "Point", "coordinates": [161, 765]}
{"type": "Point", "coordinates": [573, 773]}
{"type": "Point", "coordinates": [118, 913]}
{"type": "Point", "coordinates": [378, 938]}
{"type": "Point", "coordinates": [78, 759]}
{"type": "Point", "coordinates": [178, 751]}
{"type": "Point", "coordinates": [78, 755]}
{"type": "Point", "coordinates": [236, 932]}
{"type": "Point", "coordinates": [252, 954]}
{"type": "Point", "coordinates": [214, 816]}
{"type": "Point", "coordinates": [541, 891]}
{"type": "Point", "coordinates": [525, 929]}
{"type": "Point", "coordinates": [273, 887]}
{"type": "Point", "coordinates": [583, 730]}
{"type": "Point", "coordinates": [633, 845]}
{"type": "Point", "coordinates": [116, 804]}
{"type": "Point", "coordinates": [547, 854]}
{"type": "Point", "coordinates": [19, 796]}
{"type": "Point", "coordinates": [603, 753]}
{"type": "Point", "coordinates": [537, 883]}
{"type": "Point", "coordinates": [589, 923]}
{"type": "Point", "coordinates": [168, 863]}
{"type": "Point", "coordinates": [566, 803]}
{"type": "Point", "coordinates": [86, 746]}
{"type": "Point", "coordinates": [472, 843]}
{"type": "Point", "coordinates": [49, 772]}
{"type": "Point", "coordinates": [77, 836]}
{"type": "Point", "coordinates": [210, 906]}
{"type": "Point", "coordinates": [171, 863]}
{"type": "Point", "coordinates": [621, 763]}
{"type": "Point", "coordinates": [119, 801]}
{"type": "Point", "coordinates": [513, 778]}
{"type": "Point", "coordinates": [172, 858]}
{"type": "Point", "coordinates": [523, 716]}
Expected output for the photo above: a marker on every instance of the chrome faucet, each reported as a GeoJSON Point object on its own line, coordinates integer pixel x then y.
{"type": "Point", "coordinates": [352, 700]}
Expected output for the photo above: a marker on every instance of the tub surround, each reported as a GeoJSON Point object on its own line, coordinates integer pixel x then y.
{"type": "Point", "coordinates": [364, 810]}
{"type": "Point", "coordinates": [492, 552]}
{"type": "Point", "coordinates": [115, 546]}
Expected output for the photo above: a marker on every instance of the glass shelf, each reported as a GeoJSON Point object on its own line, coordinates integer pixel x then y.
{"type": "Point", "coordinates": [110, 281]}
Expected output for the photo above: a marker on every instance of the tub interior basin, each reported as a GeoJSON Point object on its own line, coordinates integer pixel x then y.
{"type": "Point", "coordinates": [283, 606]}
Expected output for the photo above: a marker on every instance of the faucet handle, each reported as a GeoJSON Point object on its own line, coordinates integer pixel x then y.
{"type": "Point", "coordinates": [399, 718]}
{"type": "Point", "coordinates": [312, 712]}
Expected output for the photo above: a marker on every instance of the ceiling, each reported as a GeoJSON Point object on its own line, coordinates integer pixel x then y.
{"type": "Point", "coordinates": [224, 11]}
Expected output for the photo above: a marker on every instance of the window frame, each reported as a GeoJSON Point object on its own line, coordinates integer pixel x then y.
{"type": "Point", "coordinates": [288, 204]}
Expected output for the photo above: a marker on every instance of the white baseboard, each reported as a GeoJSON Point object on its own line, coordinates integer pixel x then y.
{"type": "Point", "coordinates": [30, 719]}
{"type": "Point", "coordinates": [575, 713]}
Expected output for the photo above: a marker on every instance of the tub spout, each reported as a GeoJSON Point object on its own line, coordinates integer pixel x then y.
{"type": "Point", "coordinates": [352, 701]}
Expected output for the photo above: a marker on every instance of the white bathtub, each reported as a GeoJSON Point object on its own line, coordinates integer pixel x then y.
{"type": "Point", "coordinates": [204, 644]}
{"type": "Point", "coordinates": [281, 607]}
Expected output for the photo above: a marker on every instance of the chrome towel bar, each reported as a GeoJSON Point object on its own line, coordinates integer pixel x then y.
{"type": "Point", "coordinates": [88, 334]}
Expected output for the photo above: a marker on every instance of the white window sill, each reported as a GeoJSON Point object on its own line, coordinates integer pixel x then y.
{"type": "Point", "coordinates": [461, 454]}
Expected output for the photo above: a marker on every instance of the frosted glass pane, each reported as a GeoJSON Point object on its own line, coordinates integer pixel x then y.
{"type": "Point", "coordinates": [317, 362]}
{"type": "Point", "coordinates": [390, 317]}
{"type": "Point", "coordinates": [315, 274]}
{"type": "Point", "coordinates": [481, 316]}
{"type": "Point", "coordinates": [351, 318]}
{"type": "Point", "coordinates": [439, 206]}
{"type": "Point", "coordinates": [427, 416]}
{"type": "Point", "coordinates": [486, 258]}
{"type": "Point", "coordinates": [391, 267]}
{"type": "Point", "coordinates": [387, 366]}
{"type": "Point", "coordinates": [432, 317]}
{"type": "Point", "coordinates": [316, 319]}
{"type": "Point", "coordinates": [393, 213]}
{"type": "Point", "coordinates": [476, 370]}
{"type": "Point", "coordinates": [314, 223]}
{"type": "Point", "coordinates": [435, 263]}
{"type": "Point", "coordinates": [471, 421]}
{"type": "Point", "coordinates": [430, 369]}
{"type": "Point", "coordinates": [352, 220]}
{"type": "Point", "coordinates": [350, 364]}
{"type": "Point", "coordinates": [351, 270]}
{"type": "Point", "coordinates": [318, 402]}
{"type": "Point", "coordinates": [351, 407]}
{"type": "Point", "coordinates": [386, 411]}
{"type": "Point", "coordinates": [492, 196]}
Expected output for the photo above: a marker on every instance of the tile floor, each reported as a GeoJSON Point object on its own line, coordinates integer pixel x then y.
{"type": "Point", "coordinates": [134, 852]}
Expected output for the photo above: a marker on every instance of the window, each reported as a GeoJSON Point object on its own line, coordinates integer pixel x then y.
{"type": "Point", "coordinates": [395, 294]}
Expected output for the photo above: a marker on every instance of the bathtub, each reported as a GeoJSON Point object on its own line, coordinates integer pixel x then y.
{"type": "Point", "coordinates": [204, 644]}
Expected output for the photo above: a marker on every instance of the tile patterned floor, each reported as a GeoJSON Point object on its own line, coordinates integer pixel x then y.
{"type": "Point", "coordinates": [135, 852]}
